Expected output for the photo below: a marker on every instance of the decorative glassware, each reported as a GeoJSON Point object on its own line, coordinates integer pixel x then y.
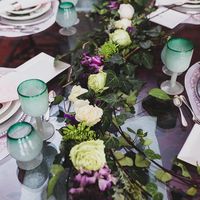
{"type": "Point", "coordinates": [33, 96]}
{"type": "Point", "coordinates": [177, 59]}
{"type": "Point", "coordinates": [25, 145]}
{"type": "Point", "coordinates": [67, 17]}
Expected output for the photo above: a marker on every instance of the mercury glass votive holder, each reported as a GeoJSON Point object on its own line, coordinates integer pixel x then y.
{"type": "Point", "coordinates": [25, 145]}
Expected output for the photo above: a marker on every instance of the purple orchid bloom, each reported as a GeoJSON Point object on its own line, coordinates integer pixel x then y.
{"type": "Point", "coordinates": [71, 118]}
{"type": "Point", "coordinates": [113, 5]}
{"type": "Point", "coordinates": [93, 63]}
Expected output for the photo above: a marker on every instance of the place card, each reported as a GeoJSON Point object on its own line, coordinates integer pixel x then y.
{"type": "Point", "coordinates": [39, 67]}
{"type": "Point", "coordinates": [190, 151]}
{"type": "Point", "coordinates": [167, 17]}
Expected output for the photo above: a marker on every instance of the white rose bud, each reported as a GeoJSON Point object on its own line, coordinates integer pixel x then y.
{"type": "Point", "coordinates": [123, 23]}
{"type": "Point", "coordinates": [76, 91]}
{"type": "Point", "coordinates": [89, 114]}
{"type": "Point", "coordinates": [126, 11]}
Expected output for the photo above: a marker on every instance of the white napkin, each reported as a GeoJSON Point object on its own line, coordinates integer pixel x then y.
{"type": "Point", "coordinates": [40, 67]}
{"type": "Point", "coordinates": [167, 17]}
{"type": "Point", "coordinates": [190, 151]}
{"type": "Point", "coordinates": [169, 2]}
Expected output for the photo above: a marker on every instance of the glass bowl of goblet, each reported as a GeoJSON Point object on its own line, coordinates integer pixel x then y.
{"type": "Point", "coordinates": [178, 56]}
{"type": "Point", "coordinates": [66, 18]}
{"type": "Point", "coordinates": [33, 96]}
{"type": "Point", "coordinates": [25, 145]}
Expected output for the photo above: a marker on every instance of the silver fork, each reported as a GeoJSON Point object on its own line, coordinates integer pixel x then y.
{"type": "Point", "coordinates": [194, 117]}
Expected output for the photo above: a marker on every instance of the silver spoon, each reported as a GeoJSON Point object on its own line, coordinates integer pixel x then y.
{"type": "Point", "coordinates": [178, 102]}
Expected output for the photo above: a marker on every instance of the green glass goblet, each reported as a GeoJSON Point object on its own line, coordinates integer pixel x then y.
{"type": "Point", "coordinates": [178, 56]}
{"type": "Point", "coordinates": [66, 18]}
{"type": "Point", "coordinates": [33, 96]}
{"type": "Point", "coordinates": [25, 145]}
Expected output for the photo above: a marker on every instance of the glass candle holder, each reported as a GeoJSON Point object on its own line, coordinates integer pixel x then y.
{"type": "Point", "coordinates": [25, 145]}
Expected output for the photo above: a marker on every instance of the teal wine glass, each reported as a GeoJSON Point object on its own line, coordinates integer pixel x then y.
{"type": "Point", "coordinates": [33, 96]}
{"type": "Point", "coordinates": [178, 56]}
{"type": "Point", "coordinates": [66, 18]}
{"type": "Point", "coordinates": [25, 145]}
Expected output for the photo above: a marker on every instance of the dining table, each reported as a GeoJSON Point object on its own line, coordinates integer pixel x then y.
{"type": "Point", "coordinates": [16, 184]}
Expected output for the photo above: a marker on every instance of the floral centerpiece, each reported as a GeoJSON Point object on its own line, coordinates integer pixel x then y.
{"type": "Point", "coordinates": [101, 160]}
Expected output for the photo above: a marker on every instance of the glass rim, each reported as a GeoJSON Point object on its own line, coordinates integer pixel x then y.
{"type": "Point", "coordinates": [28, 80]}
{"type": "Point", "coordinates": [67, 3]}
{"type": "Point", "coordinates": [185, 39]}
{"type": "Point", "coordinates": [16, 125]}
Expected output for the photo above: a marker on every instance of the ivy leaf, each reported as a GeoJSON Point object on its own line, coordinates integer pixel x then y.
{"type": "Point", "coordinates": [163, 176]}
{"type": "Point", "coordinates": [126, 161]}
{"type": "Point", "coordinates": [160, 94]}
{"type": "Point", "coordinates": [192, 191]}
{"type": "Point", "coordinates": [57, 100]}
{"type": "Point", "coordinates": [154, 32]}
{"type": "Point", "coordinates": [158, 196]}
{"type": "Point", "coordinates": [151, 154]}
{"type": "Point", "coordinates": [184, 170]}
{"type": "Point", "coordinates": [110, 141]}
{"type": "Point", "coordinates": [129, 69]}
{"type": "Point", "coordinates": [140, 161]}
{"type": "Point", "coordinates": [111, 99]}
{"type": "Point", "coordinates": [151, 188]}
{"type": "Point", "coordinates": [106, 119]}
{"type": "Point", "coordinates": [147, 60]}
{"type": "Point", "coordinates": [116, 59]}
{"type": "Point", "coordinates": [146, 44]}
{"type": "Point", "coordinates": [111, 80]}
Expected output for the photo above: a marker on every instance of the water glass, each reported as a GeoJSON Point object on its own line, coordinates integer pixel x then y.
{"type": "Point", "coordinates": [25, 145]}
{"type": "Point", "coordinates": [33, 96]}
{"type": "Point", "coordinates": [66, 18]}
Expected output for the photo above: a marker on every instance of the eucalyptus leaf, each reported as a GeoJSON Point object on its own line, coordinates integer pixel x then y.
{"type": "Point", "coordinates": [126, 161]}
{"type": "Point", "coordinates": [163, 176]}
{"type": "Point", "coordinates": [160, 94]}
{"type": "Point", "coordinates": [118, 155]}
{"type": "Point", "coordinates": [151, 154]}
{"type": "Point", "coordinates": [140, 161]}
{"type": "Point", "coordinates": [151, 188]}
{"type": "Point", "coordinates": [192, 191]}
{"type": "Point", "coordinates": [158, 196]}
{"type": "Point", "coordinates": [123, 142]}
{"type": "Point", "coordinates": [110, 141]}
{"type": "Point", "coordinates": [184, 170]}
{"type": "Point", "coordinates": [146, 44]}
{"type": "Point", "coordinates": [147, 142]}
{"type": "Point", "coordinates": [130, 130]}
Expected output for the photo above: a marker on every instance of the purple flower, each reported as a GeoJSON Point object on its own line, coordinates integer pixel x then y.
{"type": "Point", "coordinates": [93, 63]}
{"type": "Point", "coordinates": [131, 30]}
{"type": "Point", "coordinates": [113, 5]}
{"type": "Point", "coordinates": [71, 118]}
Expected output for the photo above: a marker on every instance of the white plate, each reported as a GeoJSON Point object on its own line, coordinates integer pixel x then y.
{"type": "Point", "coordinates": [9, 112]}
{"type": "Point", "coordinates": [40, 11]}
{"type": "Point", "coordinates": [25, 11]}
{"type": "Point", "coordinates": [34, 21]}
{"type": "Point", "coordinates": [5, 106]}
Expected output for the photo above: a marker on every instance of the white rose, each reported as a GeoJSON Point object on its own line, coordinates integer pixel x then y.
{"type": "Point", "coordinates": [80, 103]}
{"type": "Point", "coordinates": [126, 11]}
{"type": "Point", "coordinates": [89, 114]}
{"type": "Point", "coordinates": [76, 91]}
{"type": "Point", "coordinates": [123, 23]}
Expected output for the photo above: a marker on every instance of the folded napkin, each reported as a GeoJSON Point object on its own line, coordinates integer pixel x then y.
{"type": "Point", "coordinates": [40, 67]}
{"type": "Point", "coordinates": [190, 152]}
{"type": "Point", "coordinates": [169, 2]}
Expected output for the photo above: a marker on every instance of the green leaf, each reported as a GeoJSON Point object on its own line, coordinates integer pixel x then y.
{"type": "Point", "coordinates": [56, 171]}
{"type": "Point", "coordinates": [140, 133]}
{"type": "Point", "coordinates": [110, 141]}
{"type": "Point", "coordinates": [147, 142]}
{"type": "Point", "coordinates": [151, 154]}
{"type": "Point", "coordinates": [129, 69]}
{"type": "Point", "coordinates": [130, 130]}
{"type": "Point", "coordinates": [126, 161]}
{"type": "Point", "coordinates": [198, 168]}
{"type": "Point", "coordinates": [123, 142]}
{"type": "Point", "coordinates": [160, 94]}
{"type": "Point", "coordinates": [151, 188]}
{"type": "Point", "coordinates": [116, 59]}
{"type": "Point", "coordinates": [184, 170]}
{"type": "Point", "coordinates": [118, 155]}
{"type": "Point", "coordinates": [57, 100]}
{"type": "Point", "coordinates": [111, 80]}
{"type": "Point", "coordinates": [163, 176]}
{"type": "Point", "coordinates": [131, 98]}
{"type": "Point", "coordinates": [192, 191]}
{"type": "Point", "coordinates": [146, 44]}
{"type": "Point", "coordinates": [158, 196]}
{"type": "Point", "coordinates": [140, 161]}
{"type": "Point", "coordinates": [120, 119]}
{"type": "Point", "coordinates": [111, 98]}
{"type": "Point", "coordinates": [154, 32]}
{"type": "Point", "coordinates": [147, 60]}
{"type": "Point", "coordinates": [106, 119]}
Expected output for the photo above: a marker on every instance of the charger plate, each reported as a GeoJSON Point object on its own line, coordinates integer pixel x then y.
{"type": "Point", "coordinates": [40, 11]}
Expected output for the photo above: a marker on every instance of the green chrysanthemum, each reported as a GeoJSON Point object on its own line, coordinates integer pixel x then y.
{"type": "Point", "coordinates": [108, 49]}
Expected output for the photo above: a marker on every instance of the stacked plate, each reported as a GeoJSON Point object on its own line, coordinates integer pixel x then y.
{"type": "Point", "coordinates": [28, 16]}
{"type": "Point", "coordinates": [190, 7]}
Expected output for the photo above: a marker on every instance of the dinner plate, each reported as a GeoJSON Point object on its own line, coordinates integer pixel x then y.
{"type": "Point", "coordinates": [4, 107]}
{"type": "Point", "coordinates": [10, 111]}
{"type": "Point", "coordinates": [40, 11]}
{"type": "Point", "coordinates": [34, 21]}
{"type": "Point", "coordinates": [198, 89]}
{"type": "Point", "coordinates": [25, 11]}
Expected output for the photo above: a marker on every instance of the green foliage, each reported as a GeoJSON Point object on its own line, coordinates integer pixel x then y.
{"type": "Point", "coordinates": [163, 176]}
{"type": "Point", "coordinates": [160, 94]}
{"type": "Point", "coordinates": [192, 191]}
{"type": "Point", "coordinates": [141, 161]}
{"type": "Point", "coordinates": [183, 168]}
{"type": "Point", "coordinates": [79, 133]}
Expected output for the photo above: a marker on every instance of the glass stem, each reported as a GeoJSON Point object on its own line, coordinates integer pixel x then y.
{"type": "Point", "coordinates": [39, 124]}
{"type": "Point", "coordinates": [173, 79]}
